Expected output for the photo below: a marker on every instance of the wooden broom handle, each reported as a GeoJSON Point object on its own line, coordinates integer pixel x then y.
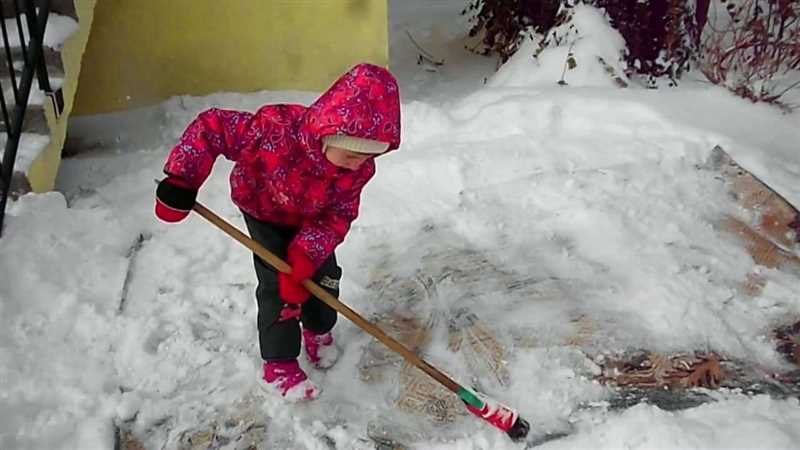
{"type": "Point", "coordinates": [329, 299]}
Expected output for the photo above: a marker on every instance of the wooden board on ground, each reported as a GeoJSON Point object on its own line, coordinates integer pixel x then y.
{"type": "Point", "coordinates": [768, 226]}
{"type": "Point", "coordinates": [773, 214]}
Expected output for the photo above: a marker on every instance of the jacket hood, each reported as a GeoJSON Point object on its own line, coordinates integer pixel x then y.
{"type": "Point", "coordinates": [364, 102]}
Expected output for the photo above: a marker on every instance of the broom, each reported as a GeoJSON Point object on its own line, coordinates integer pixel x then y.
{"type": "Point", "coordinates": [498, 415]}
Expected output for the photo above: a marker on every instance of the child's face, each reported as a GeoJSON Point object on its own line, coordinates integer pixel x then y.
{"type": "Point", "coordinates": [345, 158]}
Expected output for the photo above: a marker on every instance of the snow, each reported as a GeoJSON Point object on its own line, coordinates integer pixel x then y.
{"type": "Point", "coordinates": [759, 422]}
{"type": "Point", "coordinates": [586, 192]}
{"type": "Point", "coordinates": [739, 424]}
{"type": "Point", "coordinates": [586, 38]}
{"type": "Point", "coordinates": [58, 29]}
{"type": "Point", "coordinates": [30, 146]}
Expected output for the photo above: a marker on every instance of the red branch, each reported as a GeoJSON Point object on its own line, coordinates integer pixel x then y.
{"type": "Point", "coordinates": [757, 46]}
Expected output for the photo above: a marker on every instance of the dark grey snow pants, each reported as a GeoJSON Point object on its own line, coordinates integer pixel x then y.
{"type": "Point", "coordinates": [280, 340]}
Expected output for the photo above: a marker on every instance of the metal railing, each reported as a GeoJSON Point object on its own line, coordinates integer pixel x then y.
{"type": "Point", "coordinates": [27, 58]}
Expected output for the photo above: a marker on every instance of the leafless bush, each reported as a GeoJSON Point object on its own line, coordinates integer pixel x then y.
{"type": "Point", "coordinates": [753, 48]}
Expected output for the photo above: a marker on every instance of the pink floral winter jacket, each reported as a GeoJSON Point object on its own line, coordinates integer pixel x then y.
{"type": "Point", "coordinates": [281, 175]}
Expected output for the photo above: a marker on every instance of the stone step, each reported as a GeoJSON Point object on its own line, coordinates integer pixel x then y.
{"type": "Point", "coordinates": [52, 59]}
{"type": "Point", "coordinates": [34, 122]}
{"type": "Point", "coordinates": [30, 146]}
{"type": "Point", "coordinates": [19, 185]}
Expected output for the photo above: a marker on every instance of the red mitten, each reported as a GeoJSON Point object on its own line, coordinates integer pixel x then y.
{"type": "Point", "coordinates": [290, 287]}
{"type": "Point", "coordinates": [175, 198]}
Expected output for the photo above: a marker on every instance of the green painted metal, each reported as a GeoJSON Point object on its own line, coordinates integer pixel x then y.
{"type": "Point", "coordinates": [470, 398]}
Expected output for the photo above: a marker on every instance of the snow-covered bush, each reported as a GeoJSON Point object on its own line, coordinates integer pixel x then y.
{"type": "Point", "coordinates": [584, 50]}
{"type": "Point", "coordinates": [661, 36]}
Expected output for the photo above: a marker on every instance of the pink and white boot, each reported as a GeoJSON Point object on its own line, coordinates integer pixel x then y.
{"type": "Point", "coordinates": [320, 349]}
{"type": "Point", "coordinates": [287, 379]}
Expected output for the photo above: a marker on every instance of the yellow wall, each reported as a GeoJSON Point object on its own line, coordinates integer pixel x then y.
{"type": "Point", "coordinates": [43, 170]}
{"type": "Point", "coordinates": [141, 52]}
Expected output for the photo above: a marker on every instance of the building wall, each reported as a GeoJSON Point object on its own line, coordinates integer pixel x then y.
{"type": "Point", "coordinates": [141, 52]}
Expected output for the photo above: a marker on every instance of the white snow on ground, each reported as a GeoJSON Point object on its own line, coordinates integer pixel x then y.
{"type": "Point", "coordinates": [589, 192]}
{"type": "Point", "coordinates": [740, 423]}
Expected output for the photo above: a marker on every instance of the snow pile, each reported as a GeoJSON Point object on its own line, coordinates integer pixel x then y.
{"type": "Point", "coordinates": [759, 422]}
{"type": "Point", "coordinates": [598, 190]}
{"type": "Point", "coordinates": [61, 272]}
{"type": "Point", "coordinates": [584, 51]}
